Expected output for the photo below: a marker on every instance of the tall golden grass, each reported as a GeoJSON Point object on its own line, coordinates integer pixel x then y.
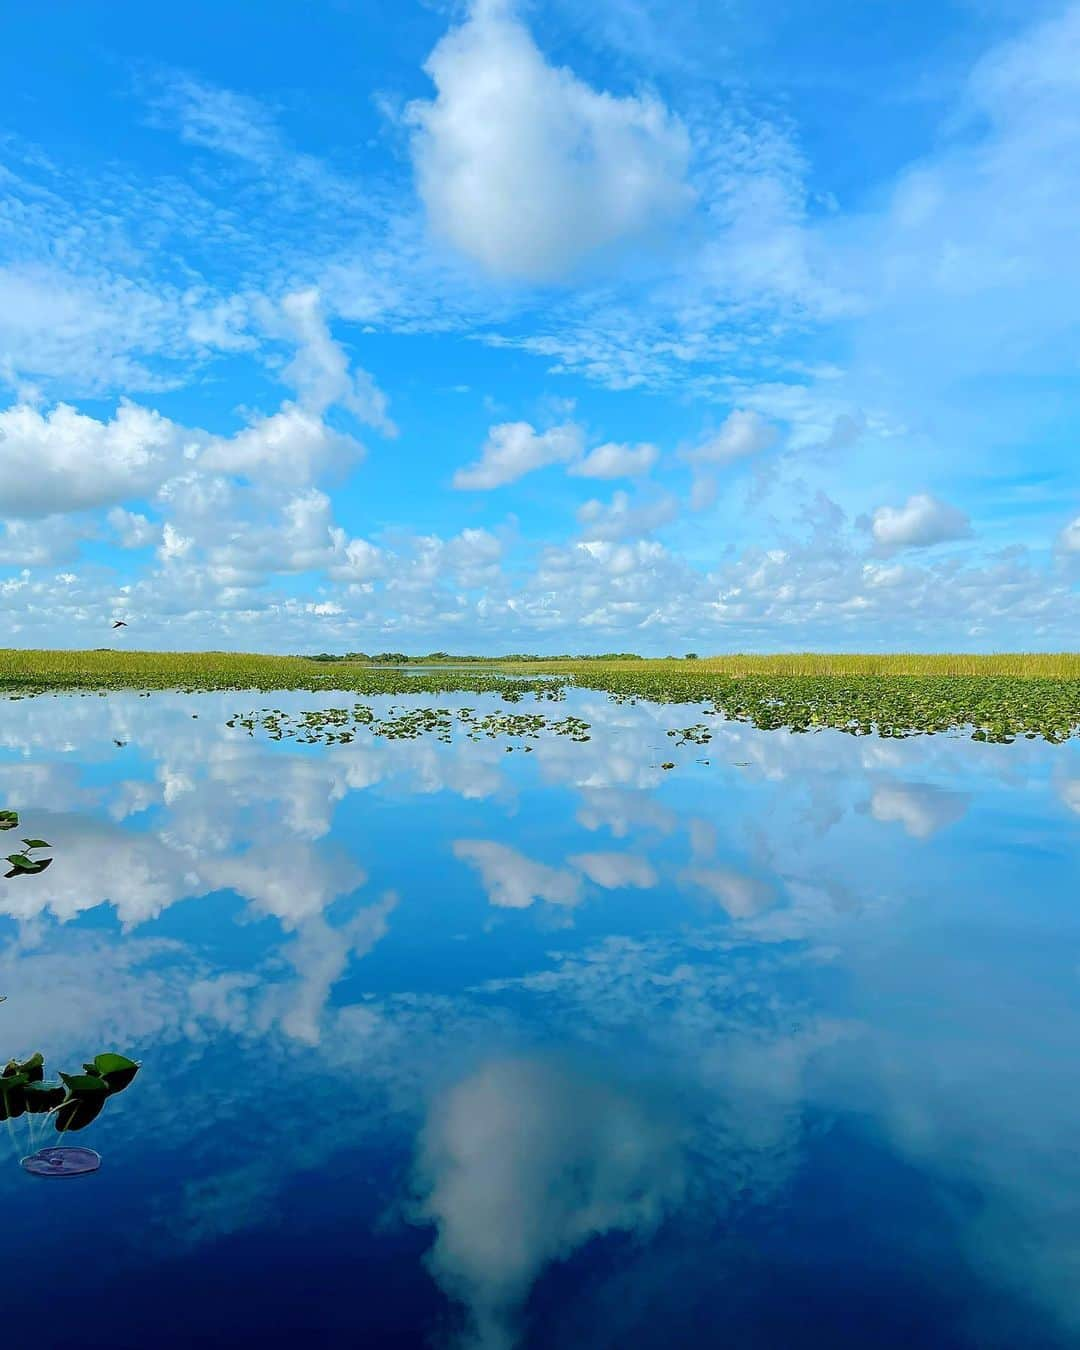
{"type": "Point", "coordinates": [133, 669]}
{"type": "Point", "coordinates": [1023, 665]}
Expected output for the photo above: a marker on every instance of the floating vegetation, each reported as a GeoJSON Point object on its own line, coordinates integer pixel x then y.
{"type": "Point", "coordinates": [70, 1103]}
{"type": "Point", "coordinates": [994, 708]}
{"type": "Point", "coordinates": [339, 726]}
{"type": "Point", "coordinates": [996, 698]}
{"type": "Point", "coordinates": [22, 864]}
{"type": "Point", "coordinates": [698, 734]}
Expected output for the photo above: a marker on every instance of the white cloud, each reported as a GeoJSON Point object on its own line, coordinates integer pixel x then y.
{"type": "Point", "coordinates": [63, 460]}
{"type": "Point", "coordinates": [320, 370]}
{"type": "Point", "coordinates": [525, 168]}
{"type": "Point", "coordinates": [88, 331]}
{"type": "Point", "coordinates": [219, 119]}
{"type": "Point", "coordinates": [512, 880]}
{"type": "Point", "coordinates": [513, 449]}
{"type": "Point", "coordinates": [174, 546]}
{"type": "Point", "coordinates": [616, 461]}
{"type": "Point", "coordinates": [744, 433]}
{"type": "Point", "coordinates": [614, 871]}
{"type": "Point", "coordinates": [622, 518]}
{"type": "Point", "coordinates": [1069, 539]}
{"type": "Point", "coordinates": [923, 520]}
{"type": "Point", "coordinates": [292, 444]}
{"type": "Point", "coordinates": [40, 543]}
{"type": "Point", "coordinates": [359, 560]}
{"type": "Point", "coordinates": [132, 529]}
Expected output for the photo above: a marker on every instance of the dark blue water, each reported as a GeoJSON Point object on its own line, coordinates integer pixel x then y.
{"type": "Point", "coordinates": [444, 1045]}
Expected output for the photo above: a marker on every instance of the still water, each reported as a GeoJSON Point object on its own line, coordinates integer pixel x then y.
{"type": "Point", "coordinates": [445, 1045]}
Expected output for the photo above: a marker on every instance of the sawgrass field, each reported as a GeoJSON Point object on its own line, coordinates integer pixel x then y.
{"type": "Point", "coordinates": [994, 697]}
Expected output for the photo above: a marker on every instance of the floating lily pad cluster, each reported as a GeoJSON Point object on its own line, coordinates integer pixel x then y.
{"type": "Point", "coordinates": [74, 1100]}
{"type": "Point", "coordinates": [998, 709]}
{"type": "Point", "coordinates": [339, 726]}
{"type": "Point", "coordinates": [23, 864]}
{"type": "Point", "coordinates": [698, 734]}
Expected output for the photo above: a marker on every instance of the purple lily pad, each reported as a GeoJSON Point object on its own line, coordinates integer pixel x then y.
{"type": "Point", "coordinates": [62, 1162]}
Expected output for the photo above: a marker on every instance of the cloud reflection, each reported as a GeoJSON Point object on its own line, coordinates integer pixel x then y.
{"type": "Point", "coordinates": [523, 1162]}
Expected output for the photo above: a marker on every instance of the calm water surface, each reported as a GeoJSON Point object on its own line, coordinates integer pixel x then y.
{"type": "Point", "coordinates": [444, 1045]}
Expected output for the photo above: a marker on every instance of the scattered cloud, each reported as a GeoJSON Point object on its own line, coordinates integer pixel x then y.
{"type": "Point", "coordinates": [744, 433]}
{"type": "Point", "coordinates": [742, 897]}
{"type": "Point", "coordinates": [623, 518]}
{"type": "Point", "coordinates": [921, 808]}
{"type": "Point", "coordinates": [514, 449]}
{"type": "Point", "coordinates": [616, 461]}
{"type": "Point", "coordinates": [922, 521]}
{"type": "Point", "coordinates": [512, 880]}
{"type": "Point", "coordinates": [614, 871]}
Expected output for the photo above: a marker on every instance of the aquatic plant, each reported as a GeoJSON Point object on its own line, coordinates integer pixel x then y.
{"type": "Point", "coordinates": [22, 864]}
{"type": "Point", "coordinates": [996, 698]}
{"type": "Point", "coordinates": [73, 1101]}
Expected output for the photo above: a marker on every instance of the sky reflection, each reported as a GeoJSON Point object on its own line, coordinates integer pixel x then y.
{"type": "Point", "coordinates": [574, 1050]}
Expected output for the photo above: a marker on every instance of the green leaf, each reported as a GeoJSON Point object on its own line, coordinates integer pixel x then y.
{"type": "Point", "coordinates": [78, 1112]}
{"type": "Point", "coordinates": [116, 1070]}
{"type": "Point", "coordinates": [21, 866]}
{"type": "Point", "coordinates": [83, 1084]}
{"type": "Point", "coordinates": [12, 1096]}
{"type": "Point", "coordinates": [8, 820]}
{"type": "Point", "coordinates": [86, 1095]}
{"type": "Point", "coordinates": [33, 1068]}
{"type": "Point", "coordinates": [42, 1097]}
{"type": "Point", "coordinates": [37, 843]}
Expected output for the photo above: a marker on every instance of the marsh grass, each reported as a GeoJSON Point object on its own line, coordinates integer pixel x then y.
{"type": "Point", "coordinates": [1016, 665]}
{"type": "Point", "coordinates": [998, 696]}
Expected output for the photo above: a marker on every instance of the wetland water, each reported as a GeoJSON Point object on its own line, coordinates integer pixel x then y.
{"type": "Point", "coordinates": [445, 1044]}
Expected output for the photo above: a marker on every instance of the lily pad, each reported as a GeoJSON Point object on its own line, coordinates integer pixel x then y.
{"type": "Point", "coordinates": [42, 1097]}
{"type": "Point", "coordinates": [22, 866]}
{"type": "Point", "coordinates": [86, 1097]}
{"type": "Point", "coordinates": [12, 1096]}
{"type": "Point", "coordinates": [117, 1071]}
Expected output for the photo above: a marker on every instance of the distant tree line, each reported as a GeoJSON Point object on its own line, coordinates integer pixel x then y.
{"type": "Point", "coordinates": [435, 658]}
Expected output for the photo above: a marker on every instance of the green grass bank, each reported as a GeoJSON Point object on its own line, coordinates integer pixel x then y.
{"type": "Point", "coordinates": [994, 697]}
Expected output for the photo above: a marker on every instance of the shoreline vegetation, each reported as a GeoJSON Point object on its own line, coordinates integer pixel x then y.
{"type": "Point", "coordinates": [995, 697]}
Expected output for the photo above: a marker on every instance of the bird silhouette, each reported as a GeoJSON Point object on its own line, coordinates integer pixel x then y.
{"type": "Point", "coordinates": [119, 624]}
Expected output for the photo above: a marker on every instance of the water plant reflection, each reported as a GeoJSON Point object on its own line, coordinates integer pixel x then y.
{"type": "Point", "coordinates": [71, 1102]}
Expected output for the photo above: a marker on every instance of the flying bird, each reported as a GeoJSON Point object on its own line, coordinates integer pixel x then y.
{"type": "Point", "coordinates": [119, 623]}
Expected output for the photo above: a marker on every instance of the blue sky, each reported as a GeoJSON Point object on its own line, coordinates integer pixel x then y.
{"type": "Point", "coordinates": [542, 326]}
